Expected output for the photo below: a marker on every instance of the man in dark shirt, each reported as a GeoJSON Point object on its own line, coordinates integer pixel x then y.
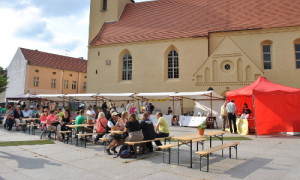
{"type": "Point", "coordinates": [148, 130]}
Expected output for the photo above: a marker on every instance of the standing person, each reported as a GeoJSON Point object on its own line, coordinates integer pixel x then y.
{"type": "Point", "coordinates": [18, 117]}
{"type": "Point", "coordinates": [43, 118]}
{"type": "Point", "coordinates": [134, 129]}
{"type": "Point", "coordinates": [162, 129]}
{"type": "Point", "coordinates": [128, 106]}
{"type": "Point", "coordinates": [132, 109]}
{"type": "Point", "coordinates": [90, 115]}
{"type": "Point", "coordinates": [101, 123]}
{"type": "Point", "coordinates": [231, 108]}
{"type": "Point", "coordinates": [147, 106]}
{"type": "Point", "coordinates": [148, 130]}
{"type": "Point", "coordinates": [53, 125]}
{"type": "Point", "coordinates": [169, 111]}
{"type": "Point", "coordinates": [104, 107]}
{"type": "Point", "coordinates": [10, 119]}
{"type": "Point", "coordinates": [151, 108]}
{"type": "Point", "coordinates": [224, 115]}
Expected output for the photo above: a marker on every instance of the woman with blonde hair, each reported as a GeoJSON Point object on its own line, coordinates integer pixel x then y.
{"type": "Point", "coordinates": [101, 124]}
{"type": "Point", "coordinates": [134, 129]}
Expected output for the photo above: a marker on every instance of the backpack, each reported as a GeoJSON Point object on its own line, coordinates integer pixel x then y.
{"type": "Point", "coordinates": [124, 152]}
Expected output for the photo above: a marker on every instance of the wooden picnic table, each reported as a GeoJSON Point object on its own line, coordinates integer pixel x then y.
{"type": "Point", "coordinates": [79, 125]}
{"type": "Point", "coordinates": [30, 119]}
{"type": "Point", "coordinates": [117, 132]}
{"type": "Point", "coordinates": [188, 140]}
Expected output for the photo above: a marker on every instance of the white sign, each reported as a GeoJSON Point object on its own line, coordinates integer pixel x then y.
{"type": "Point", "coordinates": [155, 120]}
{"type": "Point", "coordinates": [192, 121]}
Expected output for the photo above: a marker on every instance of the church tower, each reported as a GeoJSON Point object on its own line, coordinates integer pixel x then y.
{"type": "Point", "coordinates": [102, 11]}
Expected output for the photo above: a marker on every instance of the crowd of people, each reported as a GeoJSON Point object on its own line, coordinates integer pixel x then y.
{"type": "Point", "coordinates": [102, 122]}
{"type": "Point", "coordinates": [229, 114]}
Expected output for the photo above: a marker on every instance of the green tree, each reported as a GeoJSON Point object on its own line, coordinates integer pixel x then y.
{"type": "Point", "coordinates": [3, 80]}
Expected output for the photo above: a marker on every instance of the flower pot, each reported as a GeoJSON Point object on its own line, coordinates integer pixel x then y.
{"type": "Point", "coordinates": [201, 131]}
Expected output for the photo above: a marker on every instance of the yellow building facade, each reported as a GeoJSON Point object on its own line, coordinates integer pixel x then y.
{"type": "Point", "coordinates": [37, 72]}
{"type": "Point", "coordinates": [224, 59]}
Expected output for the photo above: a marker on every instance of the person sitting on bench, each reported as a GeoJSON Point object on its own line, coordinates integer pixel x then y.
{"type": "Point", "coordinates": [148, 130]}
{"type": "Point", "coordinates": [161, 128]}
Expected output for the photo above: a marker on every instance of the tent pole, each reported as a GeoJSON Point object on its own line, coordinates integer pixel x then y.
{"type": "Point", "coordinates": [254, 115]}
{"type": "Point", "coordinates": [211, 104]}
{"type": "Point", "coordinates": [181, 106]}
{"type": "Point", "coordinates": [173, 105]}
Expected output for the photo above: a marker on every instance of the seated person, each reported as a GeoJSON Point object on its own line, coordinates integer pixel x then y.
{"type": "Point", "coordinates": [114, 139]}
{"type": "Point", "coordinates": [148, 130]}
{"type": "Point", "coordinates": [53, 125]}
{"type": "Point", "coordinates": [162, 129]}
{"type": "Point", "coordinates": [80, 120]}
{"type": "Point", "coordinates": [246, 112]}
{"type": "Point", "coordinates": [43, 119]}
{"type": "Point", "coordinates": [134, 129]}
{"type": "Point", "coordinates": [101, 123]}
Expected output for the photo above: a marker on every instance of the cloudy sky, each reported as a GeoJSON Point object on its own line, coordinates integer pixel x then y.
{"type": "Point", "coordinates": [56, 26]}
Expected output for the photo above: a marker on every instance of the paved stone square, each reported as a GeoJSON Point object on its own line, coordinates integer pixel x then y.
{"type": "Point", "coordinates": [264, 157]}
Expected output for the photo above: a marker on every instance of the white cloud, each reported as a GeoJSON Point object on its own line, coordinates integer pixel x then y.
{"type": "Point", "coordinates": [56, 26]}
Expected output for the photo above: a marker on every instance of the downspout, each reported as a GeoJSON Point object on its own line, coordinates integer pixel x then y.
{"type": "Point", "coordinates": [208, 44]}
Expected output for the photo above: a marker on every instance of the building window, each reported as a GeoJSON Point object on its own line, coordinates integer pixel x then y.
{"type": "Point", "coordinates": [173, 65]}
{"type": "Point", "coordinates": [127, 67]}
{"type": "Point", "coordinates": [107, 62]}
{"type": "Point", "coordinates": [267, 54]}
{"type": "Point", "coordinates": [84, 85]}
{"type": "Point", "coordinates": [36, 81]}
{"type": "Point", "coordinates": [104, 5]}
{"type": "Point", "coordinates": [70, 75]}
{"type": "Point", "coordinates": [74, 84]}
{"type": "Point", "coordinates": [54, 73]}
{"type": "Point", "coordinates": [66, 84]}
{"type": "Point", "coordinates": [37, 70]}
{"type": "Point", "coordinates": [53, 83]}
{"type": "Point", "coordinates": [297, 51]}
{"type": "Point", "coordinates": [85, 77]}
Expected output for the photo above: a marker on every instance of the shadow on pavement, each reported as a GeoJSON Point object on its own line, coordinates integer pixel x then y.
{"type": "Point", "coordinates": [28, 163]}
{"type": "Point", "coordinates": [245, 169]}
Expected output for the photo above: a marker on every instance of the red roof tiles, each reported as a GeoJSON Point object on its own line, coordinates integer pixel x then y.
{"type": "Point", "coordinates": [43, 59]}
{"type": "Point", "coordinates": [168, 19]}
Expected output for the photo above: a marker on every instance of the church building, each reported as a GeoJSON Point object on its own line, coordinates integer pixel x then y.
{"type": "Point", "coordinates": [192, 45]}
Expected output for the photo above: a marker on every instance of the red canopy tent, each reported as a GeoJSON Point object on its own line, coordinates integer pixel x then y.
{"type": "Point", "coordinates": [275, 108]}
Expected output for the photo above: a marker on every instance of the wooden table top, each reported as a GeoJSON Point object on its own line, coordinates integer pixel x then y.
{"type": "Point", "coordinates": [80, 125]}
{"type": "Point", "coordinates": [191, 137]}
{"type": "Point", "coordinates": [117, 132]}
{"type": "Point", "coordinates": [30, 119]}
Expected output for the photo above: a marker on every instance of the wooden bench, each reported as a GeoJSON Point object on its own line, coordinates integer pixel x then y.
{"type": "Point", "coordinates": [31, 127]}
{"type": "Point", "coordinates": [23, 126]}
{"type": "Point", "coordinates": [207, 152]}
{"type": "Point", "coordinates": [64, 137]}
{"type": "Point", "coordinates": [168, 147]}
{"type": "Point", "coordinates": [85, 136]}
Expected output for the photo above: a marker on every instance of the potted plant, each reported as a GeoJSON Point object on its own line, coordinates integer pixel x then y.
{"type": "Point", "coordinates": [201, 128]}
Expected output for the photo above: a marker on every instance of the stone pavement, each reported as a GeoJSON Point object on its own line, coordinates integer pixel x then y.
{"type": "Point", "coordinates": [264, 157]}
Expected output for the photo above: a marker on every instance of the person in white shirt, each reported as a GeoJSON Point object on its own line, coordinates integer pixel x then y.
{"type": "Point", "coordinates": [26, 113]}
{"type": "Point", "coordinates": [90, 114]}
{"type": "Point", "coordinates": [231, 108]}
{"type": "Point", "coordinates": [128, 106]}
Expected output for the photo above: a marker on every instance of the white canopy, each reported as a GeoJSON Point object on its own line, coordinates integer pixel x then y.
{"type": "Point", "coordinates": [116, 96]}
{"type": "Point", "coordinates": [51, 97]}
{"type": "Point", "coordinates": [199, 95]}
{"type": "Point", "coordinates": [160, 95]}
{"type": "Point", "coordinates": [83, 97]}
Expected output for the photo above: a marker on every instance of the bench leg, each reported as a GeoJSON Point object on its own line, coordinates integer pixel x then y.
{"type": "Point", "coordinates": [230, 152]}
{"type": "Point", "coordinates": [163, 156]}
{"type": "Point", "coordinates": [85, 139]}
{"type": "Point", "coordinates": [207, 162]}
{"type": "Point", "coordinates": [178, 154]}
{"type": "Point", "coordinates": [169, 155]}
{"type": "Point", "coordinates": [200, 162]}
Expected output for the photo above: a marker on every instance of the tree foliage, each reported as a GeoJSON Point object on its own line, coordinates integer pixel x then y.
{"type": "Point", "coordinates": [3, 80]}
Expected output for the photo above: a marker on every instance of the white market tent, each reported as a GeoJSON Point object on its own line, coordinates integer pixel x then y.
{"type": "Point", "coordinates": [170, 97]}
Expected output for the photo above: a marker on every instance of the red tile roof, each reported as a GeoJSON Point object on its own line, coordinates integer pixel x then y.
{"type": "Point", "coordinates": [44, 59]}
{"type": "Point", "coordinates": [167, 19]}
